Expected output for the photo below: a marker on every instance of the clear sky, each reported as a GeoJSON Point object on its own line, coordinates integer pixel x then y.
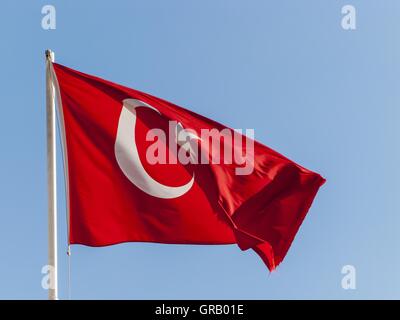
{"type": "Point", "coordinates": [326, 97]}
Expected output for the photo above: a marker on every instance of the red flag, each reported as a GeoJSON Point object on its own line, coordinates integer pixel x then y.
{"type": "Point", "coordinates": [141, 169]}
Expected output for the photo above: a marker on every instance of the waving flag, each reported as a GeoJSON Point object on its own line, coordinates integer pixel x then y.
{"type": "Point", "coordinates": [141, 169]}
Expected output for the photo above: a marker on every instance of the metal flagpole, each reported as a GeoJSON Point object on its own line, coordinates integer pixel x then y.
{"type": "Point", "coordinates": [51, 176]}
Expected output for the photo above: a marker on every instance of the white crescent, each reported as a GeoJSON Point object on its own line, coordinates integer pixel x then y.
{"type": "Point", "coordinates": [128, 159]}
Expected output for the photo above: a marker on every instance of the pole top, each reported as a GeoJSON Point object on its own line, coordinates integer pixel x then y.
{"type": "Point", "coordinates": [49, 55]}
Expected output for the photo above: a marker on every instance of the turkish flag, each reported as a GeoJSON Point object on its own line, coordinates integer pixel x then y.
{"type": "Point", "coordinates": [121, 187]}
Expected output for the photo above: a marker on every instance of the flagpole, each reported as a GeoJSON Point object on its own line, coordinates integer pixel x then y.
{"type": "Point", "coordinates": [51, 177]}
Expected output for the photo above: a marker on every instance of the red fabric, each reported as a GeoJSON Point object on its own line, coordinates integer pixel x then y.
{"type": "Point", "coordinates": [262, 211]}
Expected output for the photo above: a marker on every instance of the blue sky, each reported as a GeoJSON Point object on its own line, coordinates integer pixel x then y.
{"type": "Point", "coordinates": [323, 96]}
